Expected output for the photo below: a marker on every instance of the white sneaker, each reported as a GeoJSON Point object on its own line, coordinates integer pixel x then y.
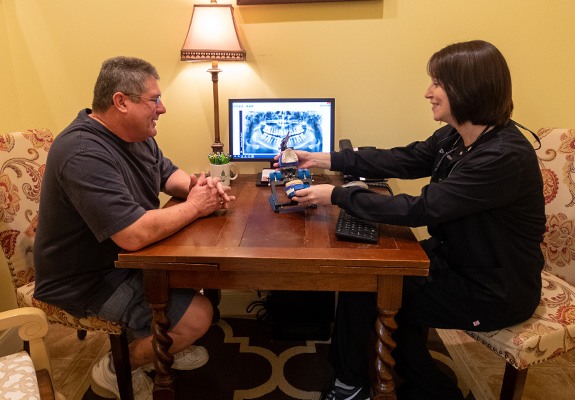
{"type": "Point", "coordinates": [190, 358]}
{"type": "Point", "coordinates": [105, 380]}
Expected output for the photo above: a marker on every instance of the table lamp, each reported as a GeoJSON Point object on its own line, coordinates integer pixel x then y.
{"type": "Point", "coordinates": [213, 36]}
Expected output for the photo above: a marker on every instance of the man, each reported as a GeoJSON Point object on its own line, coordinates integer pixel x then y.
{"type": "Point", "coordinates": [99, 195]}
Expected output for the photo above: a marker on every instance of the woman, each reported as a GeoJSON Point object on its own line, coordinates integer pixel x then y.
{"type": "Point", "coordinates": [484, 210]}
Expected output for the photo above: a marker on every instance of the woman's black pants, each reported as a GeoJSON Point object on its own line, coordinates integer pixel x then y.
{"type": "Point", "coordinates": [355, 321]}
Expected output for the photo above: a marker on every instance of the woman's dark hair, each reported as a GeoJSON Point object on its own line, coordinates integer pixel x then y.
{"type": "Point", "coordinates": [121, 74]}
{"type": "Point", "coordinates": [477, 81]}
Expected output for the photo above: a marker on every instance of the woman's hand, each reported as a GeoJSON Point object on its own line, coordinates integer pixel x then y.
{"type": "Point", "coordinates": [316, 194]}
{"type": "Point", "coordinates": [308, 159]}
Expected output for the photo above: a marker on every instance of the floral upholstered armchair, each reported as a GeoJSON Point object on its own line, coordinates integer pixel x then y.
{"type": "Point", "coordinates": [22, 164]}
{"type": "Point", "coordinates": [550, 332]}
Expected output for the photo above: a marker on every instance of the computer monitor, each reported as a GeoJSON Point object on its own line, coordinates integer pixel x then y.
{"type": "Point", "coordinates": [258, 126]}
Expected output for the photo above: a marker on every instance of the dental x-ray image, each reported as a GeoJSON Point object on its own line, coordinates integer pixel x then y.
{"type": "Point", "coordinates": [265, 131]}
{"type": "Point", "coordinates": [259, 126]}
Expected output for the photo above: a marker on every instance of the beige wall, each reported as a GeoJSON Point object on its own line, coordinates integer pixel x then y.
{"type": "Point", "coordinates": [369, 55]}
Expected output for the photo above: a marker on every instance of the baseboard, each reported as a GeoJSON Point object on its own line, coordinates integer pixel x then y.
{"type": "Point", "coordinates": [10, 342]}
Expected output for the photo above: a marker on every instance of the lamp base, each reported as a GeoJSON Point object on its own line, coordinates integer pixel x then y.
{"type": "Point", "coordinates": [217, 147]}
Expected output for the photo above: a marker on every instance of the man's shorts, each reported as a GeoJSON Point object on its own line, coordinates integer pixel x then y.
{"type": "Point", "coordinates": [129, 306]}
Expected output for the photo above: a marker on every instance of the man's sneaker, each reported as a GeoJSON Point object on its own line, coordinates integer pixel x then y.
{"type": "Point", "coordinates": [107, 385]}
{"type": "Point", "coordinates": [190, 358]}
{"type": "Point", "coordinates": [339, 393]}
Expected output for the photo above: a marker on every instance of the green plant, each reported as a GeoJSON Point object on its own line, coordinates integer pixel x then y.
{"type": "Point", "coordinates": [219, 158]}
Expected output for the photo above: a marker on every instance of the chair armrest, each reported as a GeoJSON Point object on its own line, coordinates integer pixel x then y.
{"type": "Point", "coordinates": [33, 327]}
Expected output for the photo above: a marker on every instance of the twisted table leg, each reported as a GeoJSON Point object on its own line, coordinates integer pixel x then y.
{"type": "Point", "coordinates": [157, 291]}
{"type": "Point", "coordinates": [384, 388]}
{"type": "Point", "coordinates": [161, 342]}
{"type": "Point", "coordinates": [389, 290]}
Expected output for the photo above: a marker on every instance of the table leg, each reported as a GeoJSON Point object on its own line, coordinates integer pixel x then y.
{"type": "Point", "coordinates": [388, 301]}
{"type": "Point", "coordinates": [157, 290]}
{"type": "Point", "coordinates": [384, 387]}
{"type": "Point", "coordinates": [161, 342]}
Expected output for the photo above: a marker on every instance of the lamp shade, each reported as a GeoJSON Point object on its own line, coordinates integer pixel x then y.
{"type": "Point", "coordinates": [213, 35]}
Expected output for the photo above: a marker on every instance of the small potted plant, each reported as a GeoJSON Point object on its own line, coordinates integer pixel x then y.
{"type": "Point", "coordinates": [221, 167]}
{"type": "Point", "coordinates": [219, 158]}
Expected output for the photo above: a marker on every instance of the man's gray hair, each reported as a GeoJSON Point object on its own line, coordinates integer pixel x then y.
{"type": "Point", "coordinates": [121, 74]}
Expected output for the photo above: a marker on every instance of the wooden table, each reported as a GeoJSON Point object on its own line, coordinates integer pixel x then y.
{"type": "Point", "coordinates": [250, 246]}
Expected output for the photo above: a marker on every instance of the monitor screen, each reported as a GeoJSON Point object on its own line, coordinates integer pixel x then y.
{"type": "Point", "coordinates": [258, 126]}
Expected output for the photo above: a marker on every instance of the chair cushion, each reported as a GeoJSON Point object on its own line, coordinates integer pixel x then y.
{"type": "Point", "coordinates": [24, 296]}
{"type": "Point", "coordinates": [547, 334]}
{"type": "Point", "coordinates": [18, 377]}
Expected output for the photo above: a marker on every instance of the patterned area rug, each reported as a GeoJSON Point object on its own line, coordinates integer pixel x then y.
{"type": "Point", "coordinates": [246, 363]}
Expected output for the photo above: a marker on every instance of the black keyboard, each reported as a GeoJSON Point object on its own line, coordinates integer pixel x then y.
{"type": "Point", "coordinates": [354, 229]}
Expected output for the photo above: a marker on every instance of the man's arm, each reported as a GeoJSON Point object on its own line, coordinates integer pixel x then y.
{"type": "Point", "coordinates": [202, 198]}
{"type": "Point", "coordinates": [179, 183]}
{"type": "Point", "coordinates": [155, 225]}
